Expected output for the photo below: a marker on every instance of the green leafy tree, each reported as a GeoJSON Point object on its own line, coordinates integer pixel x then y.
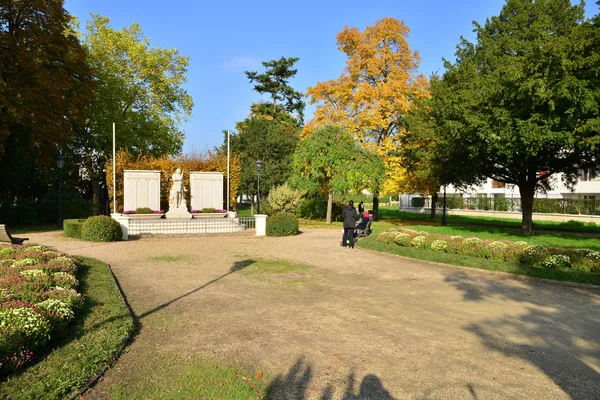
{"type": "Point", "coordinates": [140, 88]}
{"type": "Point", "coordinates": [275, 82]}
{"type": "Point", "coordinates": [270, 141]}
{"type": "Point", "coordinates": [523, 102]}
{"type": "Point", "coordinates": [330, 161]}
{"type": "Point", "coordinates": [45, 85]}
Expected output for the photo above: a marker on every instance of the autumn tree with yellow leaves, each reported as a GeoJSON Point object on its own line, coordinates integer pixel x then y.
{"type": "Point", "coordinates": [376, 88]}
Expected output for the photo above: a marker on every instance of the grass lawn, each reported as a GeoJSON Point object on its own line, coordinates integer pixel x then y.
{"type": "Point", "coordinates": [98, 333]}
{"type": "Point", "coordinates": [493, 265]}
{"type": "Point", "coordinates": [393, 213]}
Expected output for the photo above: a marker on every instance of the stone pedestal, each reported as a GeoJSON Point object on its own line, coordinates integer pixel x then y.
{"type": "Point", "coordinates": [123, 220]}
{"type": "Point", "coordinates": [178, 213]}
{"type": "Point", "coordinates": [261, 224]}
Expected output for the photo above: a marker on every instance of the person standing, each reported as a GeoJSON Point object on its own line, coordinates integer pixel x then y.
{"type": "Point", "coordinates": [361, 208]}
{"type": "Point", "coordinates": [349, 216]}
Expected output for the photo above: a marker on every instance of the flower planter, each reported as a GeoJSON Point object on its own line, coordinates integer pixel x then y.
{"type": "Point", "coordinates": [144, 216]}
{"type": "Point", "coordinates": [209, 215]}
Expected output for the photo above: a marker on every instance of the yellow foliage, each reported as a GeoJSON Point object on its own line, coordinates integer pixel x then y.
{"type": "Point", "coordinates": [378, 85]}
{"type": "Point", "coordinates": [206, 162]}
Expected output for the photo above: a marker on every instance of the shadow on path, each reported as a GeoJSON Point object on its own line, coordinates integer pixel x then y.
{"type": "Point", "coordinates": [295, 385]}
{"type": "Point", "coordinates": [558, 333]}
{"type": "Point", "coordinates": [237, 266]}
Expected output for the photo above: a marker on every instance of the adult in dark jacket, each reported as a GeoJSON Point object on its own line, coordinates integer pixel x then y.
{"type": "Point", "coordinates": [349, 216]}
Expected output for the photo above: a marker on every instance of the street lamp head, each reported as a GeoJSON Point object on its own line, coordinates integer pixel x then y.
{"type": "Point", "coordinates": [259, 164]}
{"type": "Point", "coordinates": [60, 161]}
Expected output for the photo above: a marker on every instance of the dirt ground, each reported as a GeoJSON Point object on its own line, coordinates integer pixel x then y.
{"type": "Point", "coordinates": [357, 325]}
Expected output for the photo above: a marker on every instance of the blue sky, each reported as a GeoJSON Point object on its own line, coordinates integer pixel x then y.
{"type": "Point", "coordinates": [225, 38]}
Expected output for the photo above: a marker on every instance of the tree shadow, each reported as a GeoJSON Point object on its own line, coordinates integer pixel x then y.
{"type": "Point", "coordinates": [237, 266]}
{"type": "Point", "coordinates": [295, 385]}
{"type": "Point", "coordinates": [558, 332]}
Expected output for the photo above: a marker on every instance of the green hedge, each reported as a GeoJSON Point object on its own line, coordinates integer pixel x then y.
{"type": "Point", "coordinates": [282, 224]}
{"type": "Point", "coordinates": [143, 210]}
{"type": "Point", "coordinates": [101, 229]}
{"type": "Point", "coordinates": [72, 228]}
{"type": "Point", "coordinates": [316, 208]}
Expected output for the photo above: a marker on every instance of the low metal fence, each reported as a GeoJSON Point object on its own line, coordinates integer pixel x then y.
{"type": "Point", "coordinates": [193, 226]}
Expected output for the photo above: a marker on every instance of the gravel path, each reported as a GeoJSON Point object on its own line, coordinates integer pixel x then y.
{"type": "Point", "coordinates": [357, 325]}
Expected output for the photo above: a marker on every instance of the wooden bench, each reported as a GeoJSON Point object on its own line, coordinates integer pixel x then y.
{"type": "Point", "coordinates": [6, 237]}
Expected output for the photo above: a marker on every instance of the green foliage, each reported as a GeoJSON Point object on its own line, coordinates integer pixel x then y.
{"type": "Point", "coordinates": [101, 229]}
{"type": "Point", "coordinates": [282, 224]}
{"type": "Point", "coordinates": [504, 111]}
{"type": "Point", "coordinates": [285, 199]}
{"type": "Point", "coordinates": [316, 208]}
{"type": "Point", "coordinates": [72, 228]}
{"type": "Point", "coordinates": [275, 82]}
{"type": "Point", "coordinates": [418, 202]}
{"type": "Point", "coordinates": [269, 140]}
{"type": "Point", "coordinates": [143, 210]}
{"type": "Point", "coordinates": [208, 210]}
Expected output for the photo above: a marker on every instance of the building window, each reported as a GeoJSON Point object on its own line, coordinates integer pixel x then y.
{"type": "Point", "coordinates": [497, 185]}
{"type": "Point", "coordinates": [587, 174]}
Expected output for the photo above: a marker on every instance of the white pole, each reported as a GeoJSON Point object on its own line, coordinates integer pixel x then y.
{"type": "Point", "coordinates": [228, 170]}
{"type": "Point", "coordinates": [114, 174]}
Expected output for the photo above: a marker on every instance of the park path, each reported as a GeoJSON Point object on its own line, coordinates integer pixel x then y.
{"type": "Point", "coordinates": [358, 325]}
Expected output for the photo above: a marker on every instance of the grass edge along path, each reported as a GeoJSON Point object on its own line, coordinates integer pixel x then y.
{"type": "Point", "coordinates": [371, 243]}
{"type": "Point", "coordinates": [99, 333]}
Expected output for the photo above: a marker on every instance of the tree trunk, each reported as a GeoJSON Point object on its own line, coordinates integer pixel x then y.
{"type": "Point", "coordinates": [252, 208]}
{"type": "Point", "coordinates": [96, 196]}
{"type": "Point", "coordinates": [434, 200]}
{"type": "Point", "coordinates": [376, 205]}
{"type": "Point", "coordinates": [527, 191]}
{"type": "Point", "coordinates": [329, 207]}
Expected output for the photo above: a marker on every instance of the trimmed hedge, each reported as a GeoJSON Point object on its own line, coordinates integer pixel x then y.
{"type": "Point", "coordinates": [72, 228]}
{"type": "Point", "coordinates": [101, 229]}
{"type": "Point", "coordinates": [143, 210]}
{"type": "Point", "coordinates": [282, 224]}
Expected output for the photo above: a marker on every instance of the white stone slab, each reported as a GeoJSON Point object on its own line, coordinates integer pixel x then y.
{"type": "Point", "coordinates": [141, 189]}
{"type": "Point", "coordinates": [206, 190]}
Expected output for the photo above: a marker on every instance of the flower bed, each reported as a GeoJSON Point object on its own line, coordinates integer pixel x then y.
{"type": "Point", "coordinates": [209, 213]}
{"type": "Point", "coordinates": [520, 252]}
{"type": "Point", "coordinates": [38, 299]}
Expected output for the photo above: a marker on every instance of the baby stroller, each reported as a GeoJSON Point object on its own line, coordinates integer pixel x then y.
{"type": "Point", "coordinates": [363, 228]}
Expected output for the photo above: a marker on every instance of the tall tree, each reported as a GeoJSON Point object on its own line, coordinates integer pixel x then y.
{"type": "Point", "coordinates": [523, 102]}
{"type": "Point", "coordinates": [376, 88]}
{"type": "Point", "coordinates": [270, 140]}
{"type": "Point", "coordinates": [275, 82]}
{"type": "Point", "coordinates": [140, 88]}
{"type": "Point", "coordinates": [330, 161]}
{"type": "Point", "coordinates": [45, 85]}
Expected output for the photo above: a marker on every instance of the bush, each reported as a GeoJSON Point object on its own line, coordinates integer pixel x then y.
{"type": "Point", "coordinates": [417, 202]}
{"type": "Point", "coordinates": [316, 208]}
{"type": "Point", "coordinates": [284, 199]}
{"type": "Point", "coordinates": [282, 224]}
{"type": "Point", "coordinates": [143, 210]}
{"type": "Point", "coordinates": [101, 229]}
{"type": "Point", "coordinates": [209, 210]}
{"type": "Point", "coordinates": [72, 228]}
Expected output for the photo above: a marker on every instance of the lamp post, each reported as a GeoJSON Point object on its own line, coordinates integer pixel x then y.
{"type": "Point", "coordinates": [60, 163]}
{"type": "Point", "coordinates": [258, 167]}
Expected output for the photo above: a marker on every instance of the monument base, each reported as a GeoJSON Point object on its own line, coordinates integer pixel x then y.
{"type": "Point", "coordinates": [178, 213]}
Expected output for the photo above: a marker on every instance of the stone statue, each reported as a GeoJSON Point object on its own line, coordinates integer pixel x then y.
{"type": "Point", "coordinates": [177, 195]}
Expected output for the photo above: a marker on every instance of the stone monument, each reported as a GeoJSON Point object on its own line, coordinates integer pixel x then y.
{"type": "Point", "coordinates": [206, 190]}
{"type": "Point", "coordinates": [177, 205]}
{"type": "Point", "coordinates": [141, 189]}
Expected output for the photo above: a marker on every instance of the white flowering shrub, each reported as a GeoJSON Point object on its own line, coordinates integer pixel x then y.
{"type": "Point", "coordinates": [25, 262]}
{"type": "Point", "coordinates": [472, 240]}
{"type": "Point", "coordinates": [402, 239]}
{"type": "Point", "coordinates": [418, 241]}
{"type": "Point", "coordinates": [65, 280]}
{"type": "Point", "coordinates": [521, 243]}
{"type": "Point", "coordinates": [7, 251]}
{"type": "Point", "coordinates": [497, 245]}
{"type": "Point", "coordinates": [32, 272]}
{"type": "Point", "coordinates": [439, 245]}
{"type": "Point", "coordinates": [32, 326]}
{"type": "Point", "coordinates": [57, 307]}
{"type": "Point", "coordinates": [557, 261]}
